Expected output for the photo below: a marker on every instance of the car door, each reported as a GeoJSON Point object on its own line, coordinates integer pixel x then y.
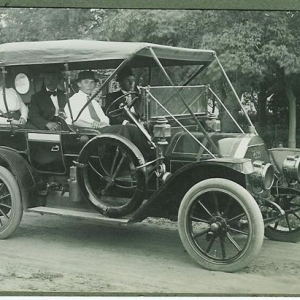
{"type": "Point", "coordinates": [45, 151]}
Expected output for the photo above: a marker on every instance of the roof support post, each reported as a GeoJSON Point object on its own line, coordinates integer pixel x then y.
{"type": "Point", "coordinates": [194, 75]}
{"type": "Point", "coordinates": [67, 87]}
{"type": "Point", "coordinates": [3, 90]}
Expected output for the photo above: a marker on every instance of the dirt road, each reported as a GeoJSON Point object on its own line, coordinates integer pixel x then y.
{"type": "Point", "coordinates": [55, 254]}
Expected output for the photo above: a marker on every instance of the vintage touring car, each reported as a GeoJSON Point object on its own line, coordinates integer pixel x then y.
{"type": "Point", "coordinates": [225, 189]}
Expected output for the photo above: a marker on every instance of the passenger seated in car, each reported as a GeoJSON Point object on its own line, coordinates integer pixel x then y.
{"type": "Point", "coordinates": [46, 104]}
{"type": "Point", "coordinates": [126, 81]}
{"type": "Point", "coordinates": [17, 110]}
{"type": "Point", "coordinates": [93, 116]}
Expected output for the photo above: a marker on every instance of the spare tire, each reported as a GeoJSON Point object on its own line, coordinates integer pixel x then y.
{"type": "Point", "coordinates": [111, 176]}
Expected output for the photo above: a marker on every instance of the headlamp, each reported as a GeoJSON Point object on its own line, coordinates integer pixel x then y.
{"type": "Point", "coordinates": [291, 167]}
{"type": "Point", "coordinates": [263, 176]}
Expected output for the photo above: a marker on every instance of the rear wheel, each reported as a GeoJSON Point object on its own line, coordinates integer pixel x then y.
{"type": "Point", "coordinates": [11, 210]}
{"type": "Point", "coordinates": [286, 229]}
{"type": "Point", "coordinates": [220, 225]}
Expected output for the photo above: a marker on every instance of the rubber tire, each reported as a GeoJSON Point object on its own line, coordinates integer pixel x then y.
{"type": "Point", "coordinates": [290, 237]}
{"type": "Point", "coordinates": [17, 208]}
{"type": "Point", "coordinates": [138, 159]}
{"type": "Point", "coordinates": [282, 236]}
{"type": "Point", "coordinates": [249, 205]}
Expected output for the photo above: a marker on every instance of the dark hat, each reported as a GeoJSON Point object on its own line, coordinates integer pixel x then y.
{"type": "Point", "coordinates": [125, 72]}
{"type": "Point", "coordinates": [86, 75]}
{"type": "Point", "coordinates": [51, 71]}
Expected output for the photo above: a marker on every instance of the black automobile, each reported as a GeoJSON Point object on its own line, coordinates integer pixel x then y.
{"type": "Point", "coordinates": [225, 190]}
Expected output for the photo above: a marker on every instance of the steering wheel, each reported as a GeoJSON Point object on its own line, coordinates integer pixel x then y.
{"type": "Point", "coordinates": [113, 113]}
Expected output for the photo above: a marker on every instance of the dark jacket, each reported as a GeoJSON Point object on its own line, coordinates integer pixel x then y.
{"type": "Point", "coordinates": [42, 110]}
{"type": "Point", "coordinates": [119, 119]}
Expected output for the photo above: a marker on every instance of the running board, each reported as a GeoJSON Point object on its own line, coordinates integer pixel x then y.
{"type": "Point", "coordinates": [76, 214]}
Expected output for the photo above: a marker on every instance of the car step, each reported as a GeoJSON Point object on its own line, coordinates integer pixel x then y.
{"type": "Point", "coordinates": [76, 214]}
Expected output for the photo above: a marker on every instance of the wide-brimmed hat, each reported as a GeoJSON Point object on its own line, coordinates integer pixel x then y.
{"type": "Point", "coordinates": [86, 75]}
{"type": "Point", "coordinates": [125, 72]}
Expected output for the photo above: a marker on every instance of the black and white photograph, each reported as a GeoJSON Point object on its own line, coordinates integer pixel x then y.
{"type": "Point", "coordinates": [149, 152]}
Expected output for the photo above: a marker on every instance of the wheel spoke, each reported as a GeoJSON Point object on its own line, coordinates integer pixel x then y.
{"type": "Point", "coordinates": [3, 197]}
{"type": "Point", "coordinates": [106, 178]}
{"type": "Point", "coordinates": [296, 205]}
{"type": "Point", "coordinates": [237, 230]}
{"type": "Point", "coordinates": [5, 205]}
{"type": "Point", "coordinates": [201, 233]}
{"type": "Point", "coordinates": [210, 244]}
{"type": "Point", "coordinates": [111, 181]}
{"type": "Point", "coordinates": [236, 217]}
{"type": "Point", "coordinates": [118, 166]}
{"type": "Point", "coordinates": [226, 210]}
{"type": "Point", "coordinates": [222, 242]}
{"type": "Point", "coordinates": [296, 215]}
{"type": "Point", "coordinates": [205, 208]}
{"type": "Point", "coordinates": [4, 215]}
{"type": "Point", "coordinates": [114, 161]}
{"type": "Point", "coordinates": [288, 222]}
{"type": "Point", "coordinates": [233, 242]}
{"type": "Point", "coordinates": [216, 202]}
{"type": "Point", "coordinates": [276, 225]}
{"type": "Point", "coordinates": [1, 186]}
{"type": "Point", "coordinates": [108, 185]}
{"type": "Point", "coordinates": [199, 220]}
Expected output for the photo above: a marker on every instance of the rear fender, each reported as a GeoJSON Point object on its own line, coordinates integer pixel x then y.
{"type": "Point", "coordinates": [166, 200]}
{"type": "Point", "coordinates": [24, 173]}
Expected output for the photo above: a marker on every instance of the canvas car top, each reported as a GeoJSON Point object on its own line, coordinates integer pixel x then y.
{"type": "Point", "coordinates": [76, 51]}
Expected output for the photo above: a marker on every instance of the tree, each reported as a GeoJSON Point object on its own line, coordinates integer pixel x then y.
{"type": "Point", "coordinates": [259, 50]}
{"type": "Point", "coordinates": [38, 24]}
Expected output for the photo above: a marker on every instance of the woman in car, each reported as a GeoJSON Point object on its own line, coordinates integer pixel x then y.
{"type": "Point", "coordinates": [14, 111]}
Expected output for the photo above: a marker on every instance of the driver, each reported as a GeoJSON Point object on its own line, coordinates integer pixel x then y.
{"type": "Point", "coordinates": [126, 81]}
{"type": "Point", "coordinates": [93, 116]}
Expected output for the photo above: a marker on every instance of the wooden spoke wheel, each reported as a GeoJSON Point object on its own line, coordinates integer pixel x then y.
{"type": "Point", "coordinates": [11, 210]}
{"type": "Point", "coordinates": [220, 225]}
{"type": "Point", "coordinates": [110, 177]}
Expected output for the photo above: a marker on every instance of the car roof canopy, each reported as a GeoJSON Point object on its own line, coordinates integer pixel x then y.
{"type": "Point", "coordinates": [82, 54]}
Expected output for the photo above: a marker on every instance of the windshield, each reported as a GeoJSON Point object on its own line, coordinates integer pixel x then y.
{"type": "Point", "coordinates": [167, 100]}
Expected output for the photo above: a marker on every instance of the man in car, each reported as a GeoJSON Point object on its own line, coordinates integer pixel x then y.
{"type": "Point", "coordinates": [46, 104]}
{"type": "Point", "coordinates": [126, 80]}
{"type": "Point", "coordinates": [93, 116]}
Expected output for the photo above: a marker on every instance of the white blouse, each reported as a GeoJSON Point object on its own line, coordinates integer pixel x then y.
{"type": "Point", "coordinates": [14, 103]}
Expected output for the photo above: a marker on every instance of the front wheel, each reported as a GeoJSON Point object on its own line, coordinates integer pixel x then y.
{"type": "Point", "coordinates": [11, 210]}
{"type": "Point", "coordinates": [220, 225]}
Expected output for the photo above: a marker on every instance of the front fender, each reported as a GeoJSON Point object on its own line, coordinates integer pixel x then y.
{"type": "Point", "coordinates": [166, 200]}
{"type": "Point", "coordinates": [24, 173]}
